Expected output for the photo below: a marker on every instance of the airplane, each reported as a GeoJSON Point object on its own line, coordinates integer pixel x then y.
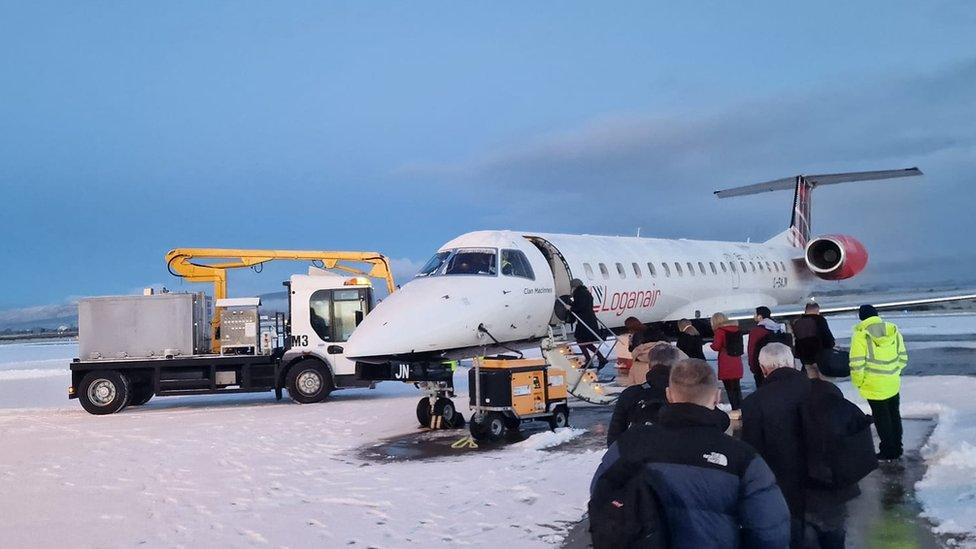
{"type": "Point", "coordinates": [489, 291]}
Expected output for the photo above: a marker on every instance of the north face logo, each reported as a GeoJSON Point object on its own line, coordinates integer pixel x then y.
{"type": "Point", "coordinates": [716, 458]}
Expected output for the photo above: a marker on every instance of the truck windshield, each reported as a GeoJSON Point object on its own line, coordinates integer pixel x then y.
{"type": "Point", "coordinates": [462, 261]}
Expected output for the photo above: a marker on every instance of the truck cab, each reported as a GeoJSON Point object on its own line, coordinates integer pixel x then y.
{"type": "Point", "coordinates": [325, 308]}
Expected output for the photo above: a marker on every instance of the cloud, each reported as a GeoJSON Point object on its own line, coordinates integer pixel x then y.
{"type": "Point", "coordinates": [850, 122]}
{"type": "Point", "coordinates": [616, 172]}
{"type": "Point", "coordinates": [404, 268]}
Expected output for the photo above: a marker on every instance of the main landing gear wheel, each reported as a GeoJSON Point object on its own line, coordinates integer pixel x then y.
{"type": "Point", "coordinates": [308, 381]}
{"type": "Point", "coordinates": [560, 417]}
{"type": "Point", "coordinates": [104, 392]}
{"type": "Point", "coordinates": [490, 426]}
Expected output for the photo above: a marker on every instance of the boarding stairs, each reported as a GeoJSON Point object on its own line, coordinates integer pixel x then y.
{"type": "Point", "coordinates": [582, 379]}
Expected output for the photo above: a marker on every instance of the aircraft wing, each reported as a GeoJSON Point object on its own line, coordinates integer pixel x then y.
{"type": "Point", "coordinates": [790, 313]}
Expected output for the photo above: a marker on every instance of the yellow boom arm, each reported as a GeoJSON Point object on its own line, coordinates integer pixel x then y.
{"type": "Point", "coordinates": [180, 262]}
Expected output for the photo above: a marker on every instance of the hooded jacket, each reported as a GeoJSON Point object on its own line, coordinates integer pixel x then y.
{"type": "Point", "coordinates": [765, 327]}
{"type": "Point", "coordinates": [644, 400]}
{"type": "Point", "coordinates": [878, 356]}
{"type": "Point", "coordinates": [714, 490]}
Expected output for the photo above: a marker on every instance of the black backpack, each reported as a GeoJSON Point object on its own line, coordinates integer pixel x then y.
{"type": "Point", "coordinates": [646, 410]}
{"type": "Point", "coordinates": [837, 437]}
{"type": "Point", "coordinates": [624, 511]}
{"type": "Point", "coordinates": [733, 343]}
{"type": "Point", "coordinates": [775, 337]}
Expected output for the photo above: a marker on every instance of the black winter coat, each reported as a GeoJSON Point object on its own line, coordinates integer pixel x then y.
{"type": "Point", "coordinates": [639, 402]}
{"type": "Point", "coordinates": [813, 335]}
{"type": "Point", "coordinates": [771, 423]}
{"type": "Point", "coordinates": [691, 345]}
{"type": "Point", "coordinates": [582, 306]}
{"type": "Point", "coordinates": [714, 490]}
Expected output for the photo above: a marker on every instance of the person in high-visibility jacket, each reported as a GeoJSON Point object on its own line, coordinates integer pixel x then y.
{"type": "Point", "coordinates": [878, 356]}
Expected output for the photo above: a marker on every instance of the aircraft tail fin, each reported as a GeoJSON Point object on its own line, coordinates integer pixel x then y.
{"type": "Point", "coordinates": [798, 233]}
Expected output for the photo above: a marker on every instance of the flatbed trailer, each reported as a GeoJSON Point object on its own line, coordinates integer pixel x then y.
{"type": "Point", "coordinates": [135, 381]}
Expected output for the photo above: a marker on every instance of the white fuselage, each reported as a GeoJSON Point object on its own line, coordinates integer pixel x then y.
{"type": "Point", "coordinates": [647, 278]}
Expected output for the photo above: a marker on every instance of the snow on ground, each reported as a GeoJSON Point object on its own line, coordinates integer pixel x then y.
{"type": "Point", "coordinates": [248, 471]}
{"type": "Point", "coordinates": [244, 470]}
{"type": "Point", "coordinates": [947, 492]}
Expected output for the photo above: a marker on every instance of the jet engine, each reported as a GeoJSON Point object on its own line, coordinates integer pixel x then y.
{"type": "Point", "coordinates": [836, 256]}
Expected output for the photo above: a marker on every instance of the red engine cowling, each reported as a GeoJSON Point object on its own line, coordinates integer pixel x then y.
{"type": "Point", "coordinates": [836, 256]}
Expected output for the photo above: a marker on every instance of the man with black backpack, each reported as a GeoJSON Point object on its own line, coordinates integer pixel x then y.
{"type": "Point", "coordinates": [682, 482]}
{"type": "Point", "coordinates": [817, 443]}
{"type": "Point", "coordinates": [813, 335]}
{"type": "Point", "coordinates": [640, 404]}
{"type": "Point", "coordinates": [765, 332]}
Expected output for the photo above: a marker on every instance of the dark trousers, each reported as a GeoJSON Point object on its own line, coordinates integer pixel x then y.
{"type": "Point", "coordinates": [887, 421]}
{"type": "Point", "coordinates": [588, 348]}
{"type": "Point", "coordinates": [734, 390]}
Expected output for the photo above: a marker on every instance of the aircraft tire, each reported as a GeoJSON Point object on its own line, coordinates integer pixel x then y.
{"type": "Point", "coordinates": [424, 412]}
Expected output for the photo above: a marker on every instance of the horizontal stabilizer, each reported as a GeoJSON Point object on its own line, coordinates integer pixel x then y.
{"type": "Point", "coordinates": [789, 183]}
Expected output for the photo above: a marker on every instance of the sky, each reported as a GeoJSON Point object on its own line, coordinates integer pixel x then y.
{"type": "Point", "coordinates": [128, 129]}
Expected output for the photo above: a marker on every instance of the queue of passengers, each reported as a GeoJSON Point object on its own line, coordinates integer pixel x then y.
{"type": "Point", "coordinates": [673, 476]}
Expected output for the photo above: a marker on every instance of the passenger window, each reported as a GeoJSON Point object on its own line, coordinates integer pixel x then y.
{"type": "Point", "coordinates": [472, 261]}
{"type": "Point", "coordinates": [604, 272]}
{"type": "Point", "coordinates": [589, 271]}
{"type": "Point", "coordinates": [667, 270]}
{"type": "Point", "coordinates": [514, 263]}
{"type": "Point", "coordinates": [650, 269]}
{"type": "Point", "coordinates": [701, 267]}
{"type": "Point", "coordinates": [621, 271]}
{"type": "Point", "coordinates": [711, 264]}
{"type": "Point", "coordinates": [691, 268]}
{"type": "Point", "coordinates": [319, 313]}
{"type": "Point", "coordinates": [637, 271]}
{"type": "Point", "coordinates": [677, 268]}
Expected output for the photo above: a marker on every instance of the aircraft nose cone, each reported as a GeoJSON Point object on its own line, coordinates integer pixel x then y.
{"type": "Point", "coordinates": [422, 316]}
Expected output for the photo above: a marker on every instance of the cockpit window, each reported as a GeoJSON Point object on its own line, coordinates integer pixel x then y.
{"type": "Point", "coordinates": [472, 261]}
{"type": "Point", "coordinates": [514, 263]}
{"type": "Point", "coordinates": [434, 265]}
{"type": "Point", "coordinates": [462, 261]}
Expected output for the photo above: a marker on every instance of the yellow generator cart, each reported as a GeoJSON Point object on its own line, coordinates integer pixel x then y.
{"type": "Point", "coordinates": [507, 391]}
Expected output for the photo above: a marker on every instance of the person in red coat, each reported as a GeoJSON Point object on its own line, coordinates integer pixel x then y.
{"type": "Point", "coordinates": [728, 343]}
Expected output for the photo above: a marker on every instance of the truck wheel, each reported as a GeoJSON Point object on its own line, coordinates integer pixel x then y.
{"type": "Point", "coordinates": [423, 412]}
{"type": "Point", "coordinates": [141, 394]}
{"type": "Point", "coordinates": [512, 422]}
{"type": "Point", "coordinates": [490, 426]}
{"type": "Point", "coordinates": [104, 392]}
{"type": "Point", "coordinates": [560, 417]}
{"type": "Point", "coordinates": [308, 381]}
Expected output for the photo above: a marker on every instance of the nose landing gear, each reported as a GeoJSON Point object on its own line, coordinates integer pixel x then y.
{"type": "Point", "coordinates": [437, 410]}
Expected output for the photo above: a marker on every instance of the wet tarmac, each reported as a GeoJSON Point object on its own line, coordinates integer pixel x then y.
{"type": "Point", "coordinates": [427, 444]}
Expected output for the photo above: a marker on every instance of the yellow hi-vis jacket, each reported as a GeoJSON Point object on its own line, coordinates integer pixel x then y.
{"type": "Point", "coordinates": [878, 356]}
